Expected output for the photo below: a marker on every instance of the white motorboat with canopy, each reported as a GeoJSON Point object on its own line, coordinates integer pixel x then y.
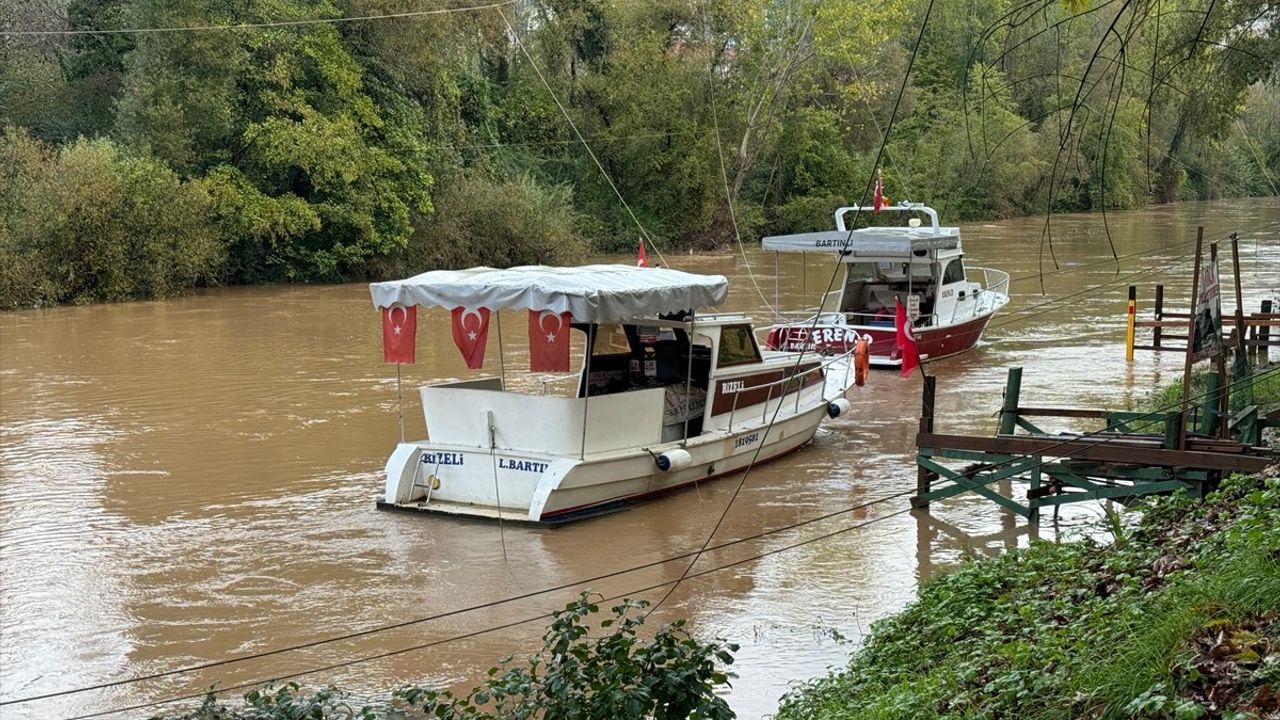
{"type": "Point", "coordinates": [664, 397]}
{"type": "Point", "coordinates": [920, 266]}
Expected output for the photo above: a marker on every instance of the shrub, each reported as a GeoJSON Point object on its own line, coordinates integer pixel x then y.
{"type": "Point", "coordinates": [90, 222]}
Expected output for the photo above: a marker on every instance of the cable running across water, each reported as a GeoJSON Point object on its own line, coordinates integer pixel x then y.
{"type": "Point", "coordinates": [866, 191]}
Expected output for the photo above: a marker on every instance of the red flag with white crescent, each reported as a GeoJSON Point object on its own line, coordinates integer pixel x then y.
{"type": "Point", "coordinates": [470, 330]}
{"type": "Point", "coordinates": [878, 199]}
{"type": "Point", "coordinates": [399, 327]}
{"type": "Point", "coordinates": [908, 350]}
{"type": "Point", "coordinates": [549, 341]}
{"type": "Point", "coordinates": [642, 259]}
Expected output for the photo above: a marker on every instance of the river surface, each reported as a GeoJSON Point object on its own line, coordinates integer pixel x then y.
{"type": "Point", "coordinates": [193, 480]}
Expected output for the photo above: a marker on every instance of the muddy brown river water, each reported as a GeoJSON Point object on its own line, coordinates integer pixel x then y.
{"type": "Point", "coordinates": [193, 480]}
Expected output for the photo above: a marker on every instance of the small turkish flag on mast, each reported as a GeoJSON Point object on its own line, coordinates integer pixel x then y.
{"type": "Point", "coordinates": [549, 341]}
{"type": "Point", "coordinates": [878, 200]}
{"type": "Point", "coordinates": [399, 328]}
{"type": "Point", "coordinates": [908, 350]}
{"type": "Point", "coordinates": [470, 330]}
{"type": "Point", "coordinates": [642, 260]}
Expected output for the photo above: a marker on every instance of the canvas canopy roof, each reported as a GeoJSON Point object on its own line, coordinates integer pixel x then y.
{"type": "Point", "coordinates": [878, 242]}
{"type": "Point", "coordinates": [592, 293]}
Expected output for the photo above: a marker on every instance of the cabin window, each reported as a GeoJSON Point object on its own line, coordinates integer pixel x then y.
{"type": "Point", "coordinates": [954, 272]}
{"type": "Point", "coordinates": [737, 346]}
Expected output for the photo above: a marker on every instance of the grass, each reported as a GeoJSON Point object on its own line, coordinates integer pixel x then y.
{"type": "Point", "coordinates": [1177, 621]}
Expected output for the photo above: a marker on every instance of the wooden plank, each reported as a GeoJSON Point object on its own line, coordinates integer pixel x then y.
{"type": "Point", "coordinates": [1062, 412]}
{"type": "Point", "coordinates": [1107, 450]}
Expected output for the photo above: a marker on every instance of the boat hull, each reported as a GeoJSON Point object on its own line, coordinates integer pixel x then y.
{"type": "Point", "coordinates": [546, 489]}
{"type": "Point", "coordinates": [827, 338]}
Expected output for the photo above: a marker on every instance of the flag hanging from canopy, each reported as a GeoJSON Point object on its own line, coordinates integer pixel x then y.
{"type": "Point", "coordinates": [642, 259]}
{"type": "Point", "coordinates": [399, 328]}
{"type": "Point", "coordinates": [549, 341]}
{"type": "Point", "coordinates": [906, 342]}
{"type": "Point", "coordinates": [470, 330]}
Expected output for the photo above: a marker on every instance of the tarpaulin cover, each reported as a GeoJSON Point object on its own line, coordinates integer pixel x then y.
{"type": "Point", "coordinates": [592, 293]}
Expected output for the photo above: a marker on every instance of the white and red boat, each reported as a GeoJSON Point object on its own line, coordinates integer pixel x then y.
{"type": "Point", "coordinates": [921, 266]}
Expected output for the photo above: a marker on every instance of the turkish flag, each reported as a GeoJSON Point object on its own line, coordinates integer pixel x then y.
{"type": "Point", "coordinates": [878, 198]}
{"type": "Point", "coordinates": [470, 330]}
{"type": "Point", "coordinates": [399, 326]}
{"type": "Point", "coordinates": [549, 341]}
{"type": "Point", "coordinates": [642, 260]}
{"type": "Point", "coordinates": [906, 343]}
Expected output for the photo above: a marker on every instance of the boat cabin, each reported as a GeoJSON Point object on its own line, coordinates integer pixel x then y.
{"type": "Point", "coordinates": [921, 266]}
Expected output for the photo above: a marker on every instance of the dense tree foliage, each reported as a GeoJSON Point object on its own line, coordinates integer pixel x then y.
{"type": "Point", "coordinates": [322, 151]}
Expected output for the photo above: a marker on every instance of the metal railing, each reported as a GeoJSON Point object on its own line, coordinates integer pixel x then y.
{"type": "Point", "coordinates": [796, 378]}
{"type": "Point", "coordinates": [994, 291]}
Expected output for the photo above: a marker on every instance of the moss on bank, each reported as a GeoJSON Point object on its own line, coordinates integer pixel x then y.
{"type": "Point", "coordinates": [1176, 618]}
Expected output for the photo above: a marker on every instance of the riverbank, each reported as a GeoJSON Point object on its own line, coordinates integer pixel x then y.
{"type": "Point", "coordinates": [1175, 617]}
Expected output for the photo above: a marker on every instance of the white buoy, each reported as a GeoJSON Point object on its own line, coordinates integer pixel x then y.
{"type": "Point", "coordinates": [837, 407]}
{"type": "Point", "coordinates": [676, 459]}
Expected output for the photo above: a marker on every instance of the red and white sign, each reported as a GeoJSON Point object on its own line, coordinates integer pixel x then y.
{"type": "Point", "coordinates": [470, 330]}
{"type": "Point", "coordinates": [399, 327]}
{"type": "Point", "coordinates": [907, 348]}
{"type": "Point", "coordinates": [549, 341]}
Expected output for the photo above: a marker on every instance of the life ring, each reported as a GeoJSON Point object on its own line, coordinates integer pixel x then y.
{"type": "Point", "coordinates": [861, 361]}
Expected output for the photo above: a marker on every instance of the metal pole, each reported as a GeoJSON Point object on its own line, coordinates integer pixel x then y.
{"type": "Point", "coordinates": [1241, 346]}
{"type": "Point", "coordinates": [1159, 314]}
{"type": "Point", "coordinates": [502, 359]}
{"type": "Point", "coordinates": [777, 307]}
{"type": "Point", "coordinates": [1128, 336]}
{"type": "Point", "coordinates": [688, 378]}
{"type": "Point", "coordinates": [400, 402]}
{"type": "Point", "coordinates": [586, 387]}
{"type": "Point", "coordinates": [1191, 341]}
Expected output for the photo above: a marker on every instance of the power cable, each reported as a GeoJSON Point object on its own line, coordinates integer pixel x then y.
{"type": "Point", "coordinates": [495, 628]}
{"type": "Point", "coordinates": [817, 316]}
{"type": "Point", "coordinates": [684, 576]}
{"type": "Point", "coordinates": [255, 26]}
{"type": "Point", "coordinates": [445, 614]}
{"type": "Point", "coordinates": [644, 234]}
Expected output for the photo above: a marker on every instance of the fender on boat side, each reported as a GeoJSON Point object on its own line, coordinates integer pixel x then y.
{"type": "Point", "coordinates": [548, 483]}
{"type": "Point", "coordinates": [400, 470]}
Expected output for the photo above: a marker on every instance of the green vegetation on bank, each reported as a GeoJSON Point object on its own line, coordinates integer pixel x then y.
{"type": "Point", "coordinates": [143, 164]}
{"type": "Point", "coordinates": [588, 669]}
{"type": "Point", "coordinates": [1176, 617]}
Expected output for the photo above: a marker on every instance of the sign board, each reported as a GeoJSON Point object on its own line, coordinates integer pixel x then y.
{"type": "Point", "coordinates": [913, 307]}
{"type": "Point", "coordinates": [1207, 324]}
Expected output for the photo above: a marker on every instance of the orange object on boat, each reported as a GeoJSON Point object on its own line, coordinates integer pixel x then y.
{"type": "Point", "coordinates": [861, 361]}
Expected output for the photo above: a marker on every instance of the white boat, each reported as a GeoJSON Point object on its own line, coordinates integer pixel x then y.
{"type": "Point", "coordinates": [922, 267]}
{"type": "Point", "coordinates": [651, 411]}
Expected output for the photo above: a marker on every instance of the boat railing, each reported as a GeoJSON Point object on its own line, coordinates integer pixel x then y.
{"type": "Point", "coordinates": [995, 288]}
{"type": "Point", "coordinates": [796, 379]}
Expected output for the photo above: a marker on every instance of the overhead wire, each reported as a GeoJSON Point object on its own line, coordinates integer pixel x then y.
{"type": "Point", "coordinates": [644, 234]}
{"type": "Point", "coordinates": [724, 173]}
{"type": "Point", "coordinates": [260, 25]}
{"type": "Point", "coordinates": [444, 614]}
{"type": "Point", "coordinates": [685, 576]}
{"type": "Point", "coordinates": [495, 628]}
{"type": "Point", "coordinates": [816, 318]}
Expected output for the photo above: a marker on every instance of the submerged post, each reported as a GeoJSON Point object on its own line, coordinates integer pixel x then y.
{"type": "Point", "coordinates": [1009, 410]}
{"type": "Point", "coordinates": [924, 478]}
{"type": "Point", "coordinates": [1128, 336]}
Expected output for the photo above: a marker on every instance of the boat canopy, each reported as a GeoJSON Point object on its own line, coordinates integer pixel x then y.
{"type": "Point", "coordinates": [872, 242]}
{"type": "Point", "coordinates": [592, 293]}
